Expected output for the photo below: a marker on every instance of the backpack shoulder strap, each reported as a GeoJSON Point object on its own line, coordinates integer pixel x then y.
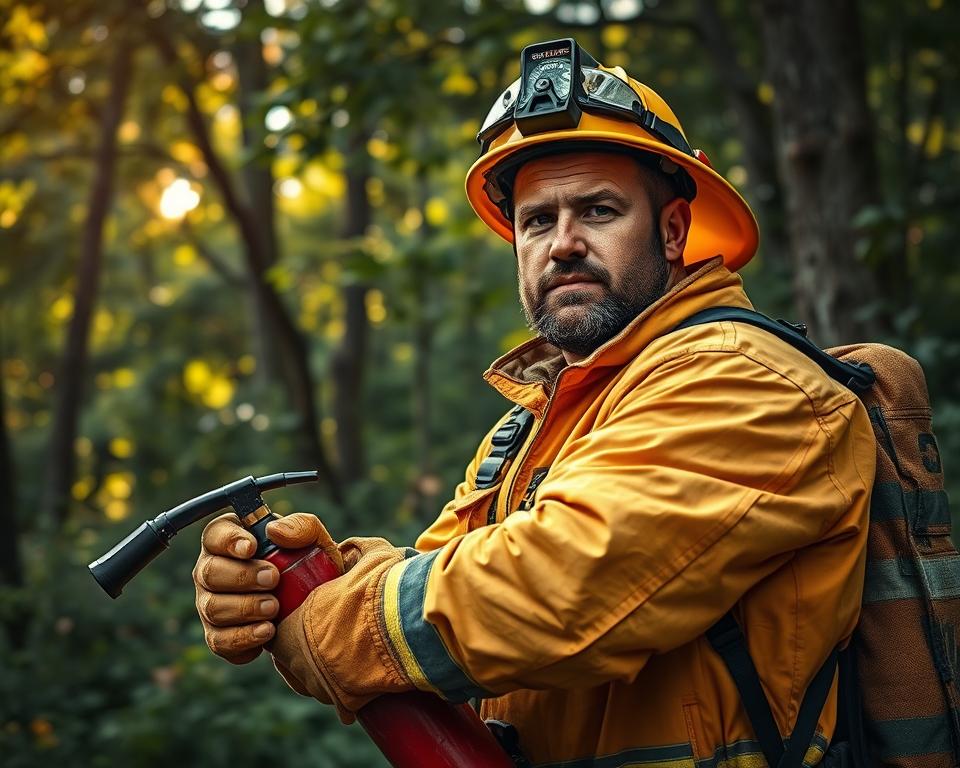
{"type": "Point", "coordinates": [506, 442]}
{"type": "Point", "coordinates": [726, 636]}
{"type": "Point", "coordinates": [728, 641]}
{"type": "Point", "coordinates": [858, 377]}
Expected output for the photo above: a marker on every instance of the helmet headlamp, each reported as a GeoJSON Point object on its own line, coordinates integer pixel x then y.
{"type": "Point", "coordinates": [559, 81]}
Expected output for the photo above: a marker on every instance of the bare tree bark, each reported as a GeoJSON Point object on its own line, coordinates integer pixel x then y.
{"type": "Point", "coordinates": [349, 361]}
{"type": "Point", "coordinates": [427, 485]}
{"type": "Point", "coordinates": [755, 125]}
{"type": "Point", "coordinates": [257, 175]}
{"type": "Point", "coordinates": [15, 620]}
{"type": "Point", "coordinates": [11, 574]}
{"type": "Point", "coordinates": [61, 463]}
{"type": "Point", "coordinates": [292, 351]}
{"type": "Point", "coordinates": [814, 60]}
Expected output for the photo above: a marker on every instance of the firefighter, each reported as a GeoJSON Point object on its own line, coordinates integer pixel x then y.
{"type": "Point", "coordinates": [647, 480]}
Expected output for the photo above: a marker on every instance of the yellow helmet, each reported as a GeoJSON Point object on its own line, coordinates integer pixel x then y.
{"type": "Point", "coordinates": [548, 110]}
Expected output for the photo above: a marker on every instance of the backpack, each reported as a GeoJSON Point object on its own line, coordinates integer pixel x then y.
{"type": "Point", "coordinates": [899, 704]}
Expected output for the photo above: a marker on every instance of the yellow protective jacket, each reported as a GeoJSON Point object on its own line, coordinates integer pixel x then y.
{"type": "Point", "coordinates": [686, 473]}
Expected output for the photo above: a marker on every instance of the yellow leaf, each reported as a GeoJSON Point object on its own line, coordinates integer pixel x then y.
{"type": "Point", "coordinates": [185, 152]}
{"type": "Point", "coordinates": [122, 447]}
{"type": "Point", "coordinates": [375, 191]}
{"type": "Point", "coordinates": [81, 489]}
{"type": "Point", "coordinates": [102, 322]}
{"type": "Point", "coordinates": [765, 93]}
{"type": "Point", "coordinates": [437, 211]}
{"type": "Point", "coordinates": [402, 353]}
{"type": "Point", "coordinates": [417, 40]}
{"type": "Point", "coordinates": [117, 510]}
{"type": "Point", "coordinates": [23, 29]}
{"type": "Point", "coordinates": [247, 365]}
{"type": "Point", "coordinates": [174, 97]}
{"type": "Point", "coordinates": [124, 378]}
{"type": "Point", "coordinates": [62, 308]}
{"type": "Point", "coordinates": [381, 149]}
{"type": "Point", "coordinates": [320, 178]}
{"type": "Point", "coordinates": [27, 65]}
{"type": "Point", "coordinates": [196, 376]}
{"type": "Point", "coordinates": [376, 311]}
{"type": "Point", "coordinates": [459, 83]}
{"type": "Point", "coordinates": [412, 221]}
{"type": "Point", "coordinates": [118, 485]}
{"type": "Point", "coordinates": [219, 392]}
{"type": "Point", "coordinates": [129, 131]}
{"type": "Point", "coordinates": [934, 145]}
{"type": "Point", "coordinates": [915, 132]}
{"type": "Point", "coordinates": [184, 255]}
{"type": "Point", "coordinates": [615, 36]}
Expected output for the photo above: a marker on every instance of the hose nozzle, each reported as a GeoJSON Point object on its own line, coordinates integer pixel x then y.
{"type": "Point", "coordinates": [118, 566]}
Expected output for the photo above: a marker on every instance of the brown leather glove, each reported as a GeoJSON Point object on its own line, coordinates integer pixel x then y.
{"type": "Point", "coordinates": [233, 597]}
{"type": "Point", "coordinates": [327, 648]}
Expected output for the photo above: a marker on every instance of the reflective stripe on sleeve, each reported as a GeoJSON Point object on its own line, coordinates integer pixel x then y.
{"type": "Point", "coordinates": [416, 641]}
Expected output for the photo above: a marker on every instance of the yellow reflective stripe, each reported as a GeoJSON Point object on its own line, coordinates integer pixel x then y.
{"type": "Point", "coordinates": [391, 620]}
{"type": "Point", "coordinates": [754, 760]}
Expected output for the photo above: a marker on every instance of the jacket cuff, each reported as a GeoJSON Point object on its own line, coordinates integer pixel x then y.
{"type": "Point", "coordinates": [415, 644]}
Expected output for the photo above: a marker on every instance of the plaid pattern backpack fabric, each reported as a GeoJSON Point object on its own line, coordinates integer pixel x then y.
{"type": "Point", "coordinates": [899, 699]}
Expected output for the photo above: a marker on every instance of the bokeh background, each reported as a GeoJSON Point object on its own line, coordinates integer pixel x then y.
{"type": "Point", "coordinates": [233, 240]}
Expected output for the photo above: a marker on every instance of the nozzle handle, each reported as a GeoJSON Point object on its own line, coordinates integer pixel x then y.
{"type": "Point", "coordinates": [132, 555]}
{"type": "Point", "coordinates": [127, 559]}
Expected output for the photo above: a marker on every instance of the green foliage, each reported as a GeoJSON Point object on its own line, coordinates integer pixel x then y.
{"type": "Point", "coordinates": [179, 398]}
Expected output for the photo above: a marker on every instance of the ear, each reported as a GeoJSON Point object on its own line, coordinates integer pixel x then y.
{"type": "Point", "coordinates": [674, 225]}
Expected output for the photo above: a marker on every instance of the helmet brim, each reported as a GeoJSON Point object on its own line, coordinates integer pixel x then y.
{"type": "Point", "coordinates": [722, 223]}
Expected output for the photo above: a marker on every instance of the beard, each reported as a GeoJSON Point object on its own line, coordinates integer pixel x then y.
{"type": "Point", "coordinates": [577, 322]}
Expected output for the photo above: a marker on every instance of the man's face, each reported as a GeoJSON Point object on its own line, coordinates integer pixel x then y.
{"type": "Point", "coordinates": [589, 255]}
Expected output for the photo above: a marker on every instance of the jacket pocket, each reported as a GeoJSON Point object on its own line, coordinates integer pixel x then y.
{"type": "Point", "coordinates": [695, 732]}
{"type": "Point", "coordinates": [472, 508]}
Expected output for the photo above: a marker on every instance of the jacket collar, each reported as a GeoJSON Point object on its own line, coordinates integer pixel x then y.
{"type": "Point", "coordinates": [526, 375]}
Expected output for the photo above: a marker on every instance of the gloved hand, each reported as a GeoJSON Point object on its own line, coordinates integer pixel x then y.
{"type": "Point", "coordinates": [232, 590]}
{"type": "Point", "coordinates": [328, 649]}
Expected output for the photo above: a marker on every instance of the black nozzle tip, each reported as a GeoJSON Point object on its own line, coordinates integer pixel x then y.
{"type": "Point", "coordinates": [127, 559]}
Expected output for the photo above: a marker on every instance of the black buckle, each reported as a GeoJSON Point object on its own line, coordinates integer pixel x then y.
{"type": "Point", "coordinates": [488, 470]}
{"type": "Point", "coordinates": [506, 434]}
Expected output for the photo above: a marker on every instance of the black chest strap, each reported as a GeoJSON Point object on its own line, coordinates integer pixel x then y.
{"type": "Point", "coordinates": [506, 443]}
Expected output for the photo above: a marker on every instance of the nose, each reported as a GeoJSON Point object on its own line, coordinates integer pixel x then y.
{"type": "Point", "coordinates": [568, 242]}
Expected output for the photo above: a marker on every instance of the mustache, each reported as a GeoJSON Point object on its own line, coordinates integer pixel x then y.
{"type": "Point", "coordinates": [561, 268]}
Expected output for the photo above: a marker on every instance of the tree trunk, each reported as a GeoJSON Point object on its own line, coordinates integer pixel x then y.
{"type": "Point", "coordinates": [827, 158]}
{"type": "Point", "coordinates": [61, 462]}
{"type": "Point", "coordinates": [755, 126]}
{"type": "Point", "coordinates": [349, 361]}
{"type": "Point", "coordinates": [291, 347]}
{"type": "Point", "coordinates": [11, 574]}
{"type": "Point", "coordinates": [257, 175]}
{"type": "Point", "coordinates": [427, 484]}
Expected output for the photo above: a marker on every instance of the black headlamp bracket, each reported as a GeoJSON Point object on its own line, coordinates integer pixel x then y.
{"type": "Point", "coordinates": [551, 81]}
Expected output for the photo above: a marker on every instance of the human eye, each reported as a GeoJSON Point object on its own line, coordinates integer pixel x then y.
{"type": "Point", "coordinates": [537, 221]}
{"type": "Point", "coordinates": [601, 211]}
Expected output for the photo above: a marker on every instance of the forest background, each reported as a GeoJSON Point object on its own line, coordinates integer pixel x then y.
{"type": "Point", "coordinates": [233, 240]}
